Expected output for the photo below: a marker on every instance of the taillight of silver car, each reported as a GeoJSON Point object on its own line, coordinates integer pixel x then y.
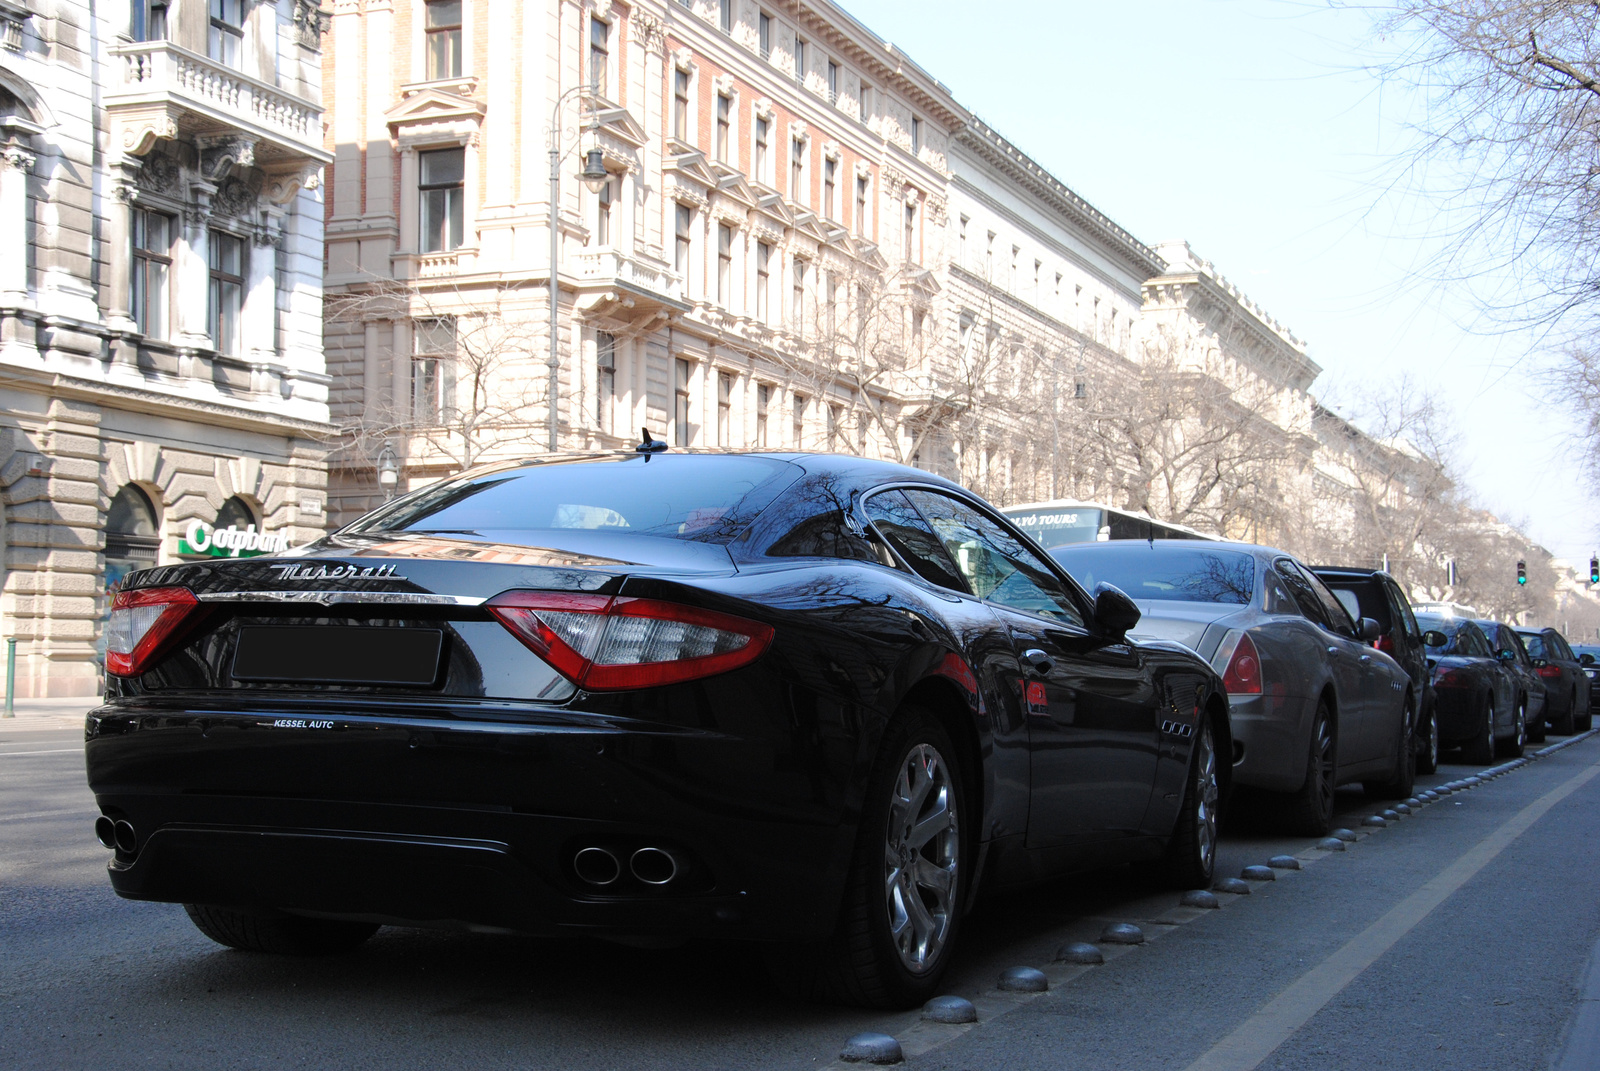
{"type": "Point", "coordinates": [145, 624]}
{"type": "Point", "coordinates": [606, 644]}
{"type": "Point", "coordinates": [1239, 664]}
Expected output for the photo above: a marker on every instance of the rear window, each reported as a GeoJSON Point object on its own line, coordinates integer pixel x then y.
{"type": "Point", "coordinates": [1462, 639]}
{"type": "Point", "coordinates": [705, 498]}
{"type": "Point", "coordinates": [1534, 643]}
{"type": "Point", "coordinates": [1174, 574]}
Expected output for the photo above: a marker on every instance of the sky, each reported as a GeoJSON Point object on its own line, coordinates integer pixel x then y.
{"type": "Point", "coordinates": [1257, 131]}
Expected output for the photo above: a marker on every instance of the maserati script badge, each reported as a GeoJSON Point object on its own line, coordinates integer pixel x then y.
{"type": "Point", "coordinates": [337, 572]}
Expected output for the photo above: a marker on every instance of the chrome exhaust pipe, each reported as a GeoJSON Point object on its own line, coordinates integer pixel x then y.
{"type": "Point", "coordinates": [597, 866]}
{"type": "Point", "coordinates": [654, 866]}
{"type": "Point", "coordinates": [105, 831]}
{"type": "Point", "coordinates": [123, 836]}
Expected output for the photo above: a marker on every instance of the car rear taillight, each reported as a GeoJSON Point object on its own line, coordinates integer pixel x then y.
{"type": "Point", "coordinates": [1550, 673]}
{"type": "Point", "coordinates": [1384, 643]}
{"type": "Point", "coordinates": [143, 626]}
{"type": "Point", "coordinates": [1449, 678]}
{"type": "Point", "coordinates": [1239, 664]}
{"type": "Point", "coordinates": [605, 644]}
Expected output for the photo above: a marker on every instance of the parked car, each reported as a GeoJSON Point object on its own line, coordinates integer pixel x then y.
{"type": "Point", "coordinates": [810, 701]}
{"type": "Point", "coordinates": [1313, 705]}
{"type": "Point", "coordinates": [1530, 711]}
{"type": "Point", "coordinates": [1566, 688]}
{"type": "Point", "coordinates": [1476, 695]}
{"type": "Point", "coordinates": [1588, 655]}
{"type": "Point", "coordinates": [1374, 593]}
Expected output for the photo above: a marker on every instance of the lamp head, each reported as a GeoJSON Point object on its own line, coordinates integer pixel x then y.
{"type": "Point", "coordinates": [594, 173]}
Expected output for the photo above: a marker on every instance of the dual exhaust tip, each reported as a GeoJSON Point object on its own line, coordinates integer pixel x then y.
{"type": "Point", "coordinates": [117, 835]}
{"type": "Point", "coordinates": [650, 865]}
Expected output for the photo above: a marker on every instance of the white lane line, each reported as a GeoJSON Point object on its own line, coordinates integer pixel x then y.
{"type": "Point", "coordinates": [45, 814]}
{"type": "Point", "coordinates": [21, 754]}
{"type": "Point", "coordinates": [1260, 1035]}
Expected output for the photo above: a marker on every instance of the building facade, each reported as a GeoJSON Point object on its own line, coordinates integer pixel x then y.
{"type": "Point", "coordinates": [160, 302]}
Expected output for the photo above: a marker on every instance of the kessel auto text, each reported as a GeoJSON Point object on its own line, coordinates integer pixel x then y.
{"type": "Point", "coordinates": [816, 703]}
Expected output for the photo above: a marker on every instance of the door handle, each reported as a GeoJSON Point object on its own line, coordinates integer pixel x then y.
{"type": "Point", "coordinates": [1038, 663]}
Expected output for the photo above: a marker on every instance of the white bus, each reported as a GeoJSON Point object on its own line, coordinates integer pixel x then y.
{"type": "Point", "coordinates": [1055, 524]}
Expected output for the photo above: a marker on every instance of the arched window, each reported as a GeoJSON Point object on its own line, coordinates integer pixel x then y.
{"type": "Point", "coordinates": [235, 513]}
{"type": "Point", "coordinates": [133, 535]}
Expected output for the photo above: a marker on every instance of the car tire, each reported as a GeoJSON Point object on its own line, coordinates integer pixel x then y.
{"type": "Point", "coordinates": [1191, 857]}
{"type": "Point", "coordinates": [1565, 725]}
{"type": "Point", "coordinates": [1405, 765]}
{"type": "Point", "coordinates": [278, 933]}
{"type": "Point", "coordinates": [1537, 731]}
{"type": "Point", "coordinates": [1310, 810]}
{"type": "Point", "coordinates": [1513, 746]}
{"type": "Point", "coordinates": [1428, 744]}
{"type": "Point", "coordinates": [1480, 749]}
{"type": "Point", "coordinates": [1582, 723]}
{"type": "Point", "coordinates": [892, 946]}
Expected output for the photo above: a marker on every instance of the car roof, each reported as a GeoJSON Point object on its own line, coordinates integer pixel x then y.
{"type": "Point", "coordinates": [813, 463]}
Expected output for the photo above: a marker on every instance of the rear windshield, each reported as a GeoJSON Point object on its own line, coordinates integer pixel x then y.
{"type": "Point", "coordinates": [1178, 574]}
{"type": "Point", "coordinates": [1534, 642]}
{"type": "Point", "coordinates": [1461, 639]}
{"type": "Point", "coordinates": [705, 498]}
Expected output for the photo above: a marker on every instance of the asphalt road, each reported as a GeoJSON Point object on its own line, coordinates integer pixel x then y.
{"type": "Point", "coordinates": [1461, 937]}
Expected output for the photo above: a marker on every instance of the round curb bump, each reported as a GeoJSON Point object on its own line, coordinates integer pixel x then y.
{"type": "Point", "coordinates": [1200, 898]}
{"type": "Point", "coordinates": [1122, 933]}
{"type": "Point", "coordinates": [949, 1009]}
{"type": "Point", "coordinates": [1375, 821]}
{"type": "Point", "coordinates": [1403, 808]}
{"type": "Point", "coordinates": [1389, 814]}
{"type": "Point", "coordinates": [1232, 885]}
{"type": "Point", "coordinates": [1023, 980]}
{"type": "Point", "coordinates": [1332, 844]}
{"type": "Point", "coordinates": [1258, 873]}
{"type": "Point", "coordinates": [1284, 862]}
{"type": "Point", "coordinates": [1079, 952]}
{"type": "Point", "coordinates": [1346, 835]}
{"type": "Point", "coordinates": [872, 1048]}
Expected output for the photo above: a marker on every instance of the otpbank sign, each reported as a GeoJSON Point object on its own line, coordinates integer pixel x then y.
{"type": "Point", "coordinates": [203, 540]}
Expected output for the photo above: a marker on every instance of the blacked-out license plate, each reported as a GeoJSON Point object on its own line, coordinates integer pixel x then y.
{"type": "Point", "coordinates": [338, 654]}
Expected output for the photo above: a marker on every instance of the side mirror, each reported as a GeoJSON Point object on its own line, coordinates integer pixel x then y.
{"type": "Point", "coordinates": [1434, 638]}
{"type": "Point", "coordinates": [1370, 629]}
{"type": "Point", "coordinates": [1586, 659]}
{"type": "Point", "coordinates": [1114, 612]}
{"type": "Point", "coordinates": [1507, 656]}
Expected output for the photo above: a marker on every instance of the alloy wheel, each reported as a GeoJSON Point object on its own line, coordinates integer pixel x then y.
{"type": "Point", "coordinates": [1521, 738]}
{"type": "Point", "coordinates": [1323, 765]}
{"type": "Point", "coordinates": [1207, 793]}
{"type": "Point", "coordinates": [921, 858]}
{"type": "Point", "coordinates": [1432, 745]}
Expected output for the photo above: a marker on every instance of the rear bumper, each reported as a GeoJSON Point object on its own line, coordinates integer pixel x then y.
{"type": "Point", "coordinates": [1460, 712]}
{"type": "Point", "coordinates": [1273, 742]}
{"type": "Point", "coordinates": [470, 824]}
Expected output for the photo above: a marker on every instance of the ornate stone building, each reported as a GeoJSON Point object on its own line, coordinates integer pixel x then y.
{"type": "Point", "coordinates": [770, 216]}
{"type": "Point", "coordinates": [160, 299]}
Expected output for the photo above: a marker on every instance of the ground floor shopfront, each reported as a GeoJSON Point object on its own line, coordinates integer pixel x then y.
{"type": "Point", "coordinates": [97, 482]}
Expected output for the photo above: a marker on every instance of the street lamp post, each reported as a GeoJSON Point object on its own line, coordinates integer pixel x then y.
{"type": "Point", "coordinates": [594, 176]}
{"type": "Point", "coordinates": [388, 471]}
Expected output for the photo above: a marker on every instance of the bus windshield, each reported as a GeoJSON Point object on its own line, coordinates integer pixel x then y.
{"type": "Point", "coordinates": [1051, 527]}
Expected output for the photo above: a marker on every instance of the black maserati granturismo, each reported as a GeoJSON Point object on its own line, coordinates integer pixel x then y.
{"type": "Point", "coordinates": [807, 700]}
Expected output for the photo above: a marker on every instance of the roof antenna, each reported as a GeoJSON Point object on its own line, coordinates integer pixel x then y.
{"type": "Point", "coordinates": [649, 446]}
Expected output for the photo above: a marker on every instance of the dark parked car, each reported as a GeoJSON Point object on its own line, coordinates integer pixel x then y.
{"type": "Point", "coordinates": [811, 701]}
{"type": "Point", "coordinates": [1566, 688]}
{"type": "Point", "coordinates": [1588, 656]}
{"type": "Point", "coordinates": [1509, 649]}
{"type": "Point", "coordinates": [1313, 705]}
{"type": "Point", "coordinates": [1375, 594]}
{"type": "Point", "coordinates": [1476, 695]}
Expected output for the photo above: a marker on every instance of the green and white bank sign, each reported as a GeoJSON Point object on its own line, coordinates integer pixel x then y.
{"type": "Point", "coordinates": [202, 540]}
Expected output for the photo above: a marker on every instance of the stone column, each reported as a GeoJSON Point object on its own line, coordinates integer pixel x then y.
{"type": "Point", "coordinates": [258, 322]}
{"type": "Point", "coordinates": [191, 273]}
{"type": "Point", "coordinates": [401, 370]}
{"type": "Point", "coordinates": [15, 163]}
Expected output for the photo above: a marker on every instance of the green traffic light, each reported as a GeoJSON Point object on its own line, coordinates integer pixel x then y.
{"type": "Point", "coordinates": [1522, 580]}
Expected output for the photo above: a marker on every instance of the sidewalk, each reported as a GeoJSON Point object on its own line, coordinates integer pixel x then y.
{"type": "Point", "coordinates": [33, 715]}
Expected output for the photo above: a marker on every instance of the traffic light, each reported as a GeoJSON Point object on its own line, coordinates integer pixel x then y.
{"type": "Point", "coordinates": [1594, 570]}
{"type": "Point", "coordinates": [1522, 572]}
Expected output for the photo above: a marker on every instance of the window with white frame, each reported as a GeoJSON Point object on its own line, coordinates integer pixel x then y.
{"type": "Point", "coordinates": [830, 180]}
{"type": "Point", "coordinates": [910, 232]}
{"type": "Point", "coordinates": [861, 205]}
{"type": "Point", "coordinates": [441, 198]}
{"type": "Point", "coordinates": [797, 297]}
{"type": "Point", "coordinates": [868, 102]}
{"type": "Point", "coordinates": [800, 403]}
{"type": "Point", "coordinates": [833, 82]}
{"type": "Point", "coordinates": [225, 35]}
{"type": "Point", "coordinates": [225, 305]}
{"type": "Point", "coordinates": [680, 410]}
{"type": "Point", "coordinates": [680, 104]}
{"type": "Point", "coordinates": [724, 126]}
{"type": "Point", "coordinates": [763, 157]}
{"type": "Point", "coordinates": [148, 21]}
{"type": "Point", "coordinates": [605, 199]}
{"type": "Point", "coordinates": [764, 34]}
{"type": "Point", "coordinates": [763, 403]}
{"type": "Point", "coordinates": [763, 280]}
{"type": "Point", "coordinates": [683, 242]}
{"type": "Point", "coordinates": [724, 265]}
{"type": "Point", "coordinates": [725, 15]}
{"type": "Point", "coordinates": [724, 408]}
{"type": "Point", "coordinates": [916, 134]}
{"type": "Point", "coordinates": [797, 170]}
{"type": "Point", "coordinates": [799, 61]}
{"type": "Point", "coordinates": [442, 37]}
{"type": "Point", "coordinates": [599, 57]}
{"type": "Point", "coordinates": [605, 360]}
{"type": "Point", "coordinates": [152, 267]}
{"type": "Point", "coordinates": [433, 370]}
